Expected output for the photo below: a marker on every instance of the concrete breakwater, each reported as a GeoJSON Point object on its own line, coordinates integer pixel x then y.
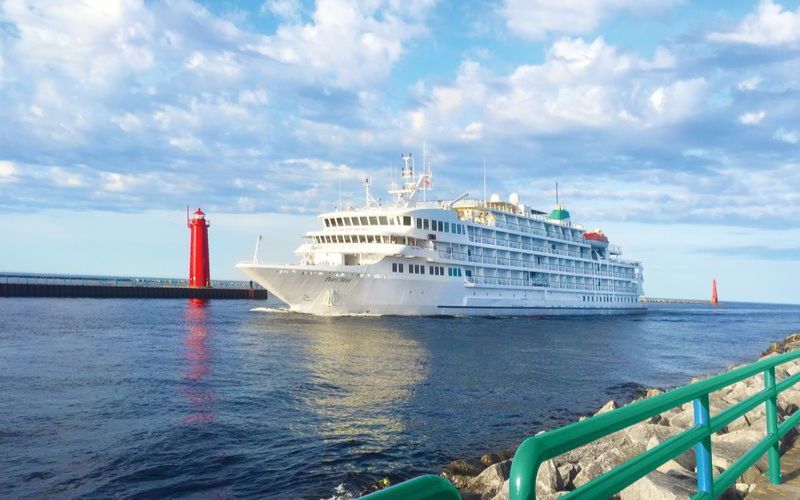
{"type": "Point", "coordinates": [487, 478]}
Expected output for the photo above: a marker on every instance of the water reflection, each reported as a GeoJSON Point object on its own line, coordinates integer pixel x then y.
{"type": "Point", "coordinates": [363, 372]}
{"type": "Point", "coordinates": [197, 354]}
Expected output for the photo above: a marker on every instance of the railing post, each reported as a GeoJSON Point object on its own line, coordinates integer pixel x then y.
{"type": "Point", "coordinates": [774, 455]}
{"type": "Point", "coordinates": [702, 450]}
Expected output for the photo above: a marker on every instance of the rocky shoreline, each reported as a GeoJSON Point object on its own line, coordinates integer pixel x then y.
{"type": "Point", "coordinates": [486, 478]}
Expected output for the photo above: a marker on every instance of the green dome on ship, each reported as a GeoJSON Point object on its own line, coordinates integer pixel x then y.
{"type": "Point", "coordinates": [559, 213]}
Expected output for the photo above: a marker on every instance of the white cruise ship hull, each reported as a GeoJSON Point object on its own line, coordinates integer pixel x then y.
{"type": "Point", "coordinates": [360, 290]}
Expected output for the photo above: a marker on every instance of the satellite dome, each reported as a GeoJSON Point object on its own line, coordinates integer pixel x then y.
{"type": "Point", "coordinates": [513, 198]}
{"type": "Point", "coordinates": [495, 198]}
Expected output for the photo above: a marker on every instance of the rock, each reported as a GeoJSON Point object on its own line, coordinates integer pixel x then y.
{"type": "Point", "coordinates": [462, 468]}
{"type": "Point", "coordinates": [503, 494]}
{"type": "Point", "coordinates": [549, 480]}
{"type": "Point", "coordinates": [461, 482]}
{"type": "Point", "coordinates": [661, 486]}
{"type": "Point", "coordinates": [728, 448]}
{"type": "Point", "coordinates": [654, 391]}
{"type": "Point", "coordinates": [568, 472]}
{"type": "Point", "coordinates": [773, 347]}
{"type": "Point", "coordinates": [642, 432]}
{"type": "Point", "coordinates": [611, 405]}
{"type": "Point", "coordinates": [488, 482]}
{"type": "Point", "coordinates": [682, 420]}
{"type": "Point", "coordinates": [599, 466]}
{"type": "Point", "coordinates": [791, 346]}
{"type": "Point", "coordinates": [379, 485]}
{"type": "Point", "coordinates": [794, 337]}
{"type": "Point", "coordinates": [684, 462]}
{"type": "Point", "coordinates": [789, 400]}
{"type": "Point", "coordinates": [491, 459]}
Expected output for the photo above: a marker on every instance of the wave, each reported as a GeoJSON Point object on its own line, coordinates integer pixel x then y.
{"type": "Point", "coordinates": [271, 310]}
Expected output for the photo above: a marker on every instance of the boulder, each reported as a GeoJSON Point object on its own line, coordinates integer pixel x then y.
{"type": "Point", "coordinates": [599, 466]}
{"type": "Point", "coordinates": [661, 486]}
{"type": "Point", "coordinates": [461, 482]}
{"type": "Point", "coordinates": [568, 472]}
{"type": "Point", "coordinates": [463, 468]}
{"type": "Point", "coordinates": [654, 391]}
{"type": "Point", "coordinates": [488, 482]}
{"type": "Point", "coordinates": [789, 400]}
{"type": "Point", "coordinates": [642, 432]}
{"type": "Point", "coordinates": [492, 458]}
{"type": "Point", "coordinates": [503, 494]}
{"type": "Point", "coordinates": [549, 479]}
{"type": "Point", "coordinates": [610, 406]}
{"type": "Point", "coordinates": [684, 462]}
{"type": "Point", "coordinates": [682, 420]}
{"type": "Point", "coordinates": [728, 448]}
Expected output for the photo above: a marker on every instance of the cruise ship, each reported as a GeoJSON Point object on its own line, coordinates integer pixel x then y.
{"type": "Point", "coordinates": [455, 257]}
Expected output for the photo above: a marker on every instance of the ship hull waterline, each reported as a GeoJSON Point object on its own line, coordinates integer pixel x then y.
{"type": "Point", "coordinates": [323, 291]}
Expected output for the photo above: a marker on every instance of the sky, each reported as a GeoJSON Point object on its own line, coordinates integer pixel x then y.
{"type": "Point", "coordinates": [672, 125]}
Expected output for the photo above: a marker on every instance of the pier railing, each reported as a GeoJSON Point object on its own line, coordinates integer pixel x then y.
{"type": "Point", "coordinates": [537, 449]}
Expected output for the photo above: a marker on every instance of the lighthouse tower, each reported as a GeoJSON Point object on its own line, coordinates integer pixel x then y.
{"type": "Point", "coordinates": [199, 269]}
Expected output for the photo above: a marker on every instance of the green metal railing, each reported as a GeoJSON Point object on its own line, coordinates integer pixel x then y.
{"type": "Point", "coordinates": [536, 450]}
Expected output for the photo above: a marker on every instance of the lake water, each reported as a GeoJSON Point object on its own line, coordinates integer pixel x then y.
{"type": "Point", "coordinates": [165, 398]}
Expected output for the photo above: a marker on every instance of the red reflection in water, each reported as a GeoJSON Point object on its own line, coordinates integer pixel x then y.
{"type": "Point", "coordinates": [197, 354]}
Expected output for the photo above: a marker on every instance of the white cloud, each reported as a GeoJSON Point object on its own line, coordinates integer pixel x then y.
{"type": "Point", "coordinates": [128, 122]}
{"type": "Point", "coordinates": [752, 118]}
{"type": "Point", "coordinates": [356, 43]}
{"type": "Point", "coordinates": [784, 135]}
{"type": "Point", "coordinates": [536, 19]}
{"type": "Point", "coordinates": [284, 9]}
{"type": "Point", "coordinates": [66, 178]}
{"type": "Point", "coordinates": [750, 84]}
{"type": "Point", "coordinates": [770, 25]}
{"type": "Point", "coordinates": [8, 171]}
{"type": "Point", "coordinates": [579, 84]}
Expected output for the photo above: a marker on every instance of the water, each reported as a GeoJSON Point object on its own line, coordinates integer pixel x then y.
{"type": "Point", "coordinates": [126, 398]}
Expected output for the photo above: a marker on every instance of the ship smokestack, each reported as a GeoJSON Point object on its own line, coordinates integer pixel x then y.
{"type": "Point", "coordinates": [199, 266]}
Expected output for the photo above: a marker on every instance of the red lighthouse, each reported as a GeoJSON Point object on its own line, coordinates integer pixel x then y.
{"type": "Point", "coordinates": [199, 269]}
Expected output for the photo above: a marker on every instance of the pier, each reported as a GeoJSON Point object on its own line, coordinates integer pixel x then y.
{"type": "Point", "coordinates": [110, 287]}
{"type": "Point", "coordinates": [673, 301]}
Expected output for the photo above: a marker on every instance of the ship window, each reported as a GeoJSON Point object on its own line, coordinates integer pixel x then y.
{"type": "Point", "coordinates": [421, 269]}
{"type": "Point", "coordinates": [373, 221]}
{"type": "Point", "coordinates": [363, 221]}
{"type": "Point", "coordinates": [383, 221]}
{"type": "Point", "coordinates": [446, 227]}
{"type": "Point", "coordinates": [406, 220]}
{"type": "Point", "coordinates": [394, 267]}
{"type": "Point", "coordinates": [355, 221]}
{"type": "Point", "coordinates": [339, 221]}
{"type": "Point", "coordinates": [419, 223]}
{"type": "Point", "coordinates": [440, 225]}
{"type": "Point", "coordinates": [425, 224]}
{"type": "Point", "coordinates": [370, 239]}
{"type": "Point", "coordinates": [327, 223]}
{"type": "Point", "coordinates": [469, 273]}
{"type": "Point", "coordinates": [399, 268]}
{"type": "Point", "coordinates": [347, 221]}
{"type": "Point", "coordinates": [362, 238]}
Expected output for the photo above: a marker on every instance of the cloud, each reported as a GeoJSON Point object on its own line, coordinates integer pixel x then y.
{"type": "Point", "coordinates": [770, 25]}
{"type": "Point", "coordinates": [752, 118]}
{"type": "Point", "coordinates": [537, 19]}
{"type": "Point", "coordinates": [8, 171]}
{"type": "Point", "coordinates": [355, 43]}
{"type": "Point", "coordinates": [789, 136]}
{"type": "Point", "coordinates": [750, 84]}
{"type": "Point", "coordinates": [580, 84]}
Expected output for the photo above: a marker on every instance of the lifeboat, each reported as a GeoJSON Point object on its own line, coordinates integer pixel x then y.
{"type": "Point", "coordinates": [596, 238]}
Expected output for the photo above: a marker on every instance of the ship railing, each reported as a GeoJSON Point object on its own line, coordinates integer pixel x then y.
{"type": "Point", "coordinates": [535, 450]}
{"type": "Point", "coordinates": [531, 265]}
